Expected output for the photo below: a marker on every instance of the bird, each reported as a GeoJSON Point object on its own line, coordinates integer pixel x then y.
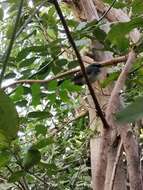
{"type": "Point", "coordinates": [92, 71]}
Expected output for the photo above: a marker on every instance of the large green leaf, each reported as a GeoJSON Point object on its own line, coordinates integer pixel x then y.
{"type": "Point", "coordinates": [132, 112]}
{"type": "Point", "coordinates": [39, 114]}
{"type": "Point", "coordinates": [44, 142]}
{"type": "Point", "coordinates": [4, 158]}
{"type": "Point", "coordinates": [8, 117]}
{"type": "Point", "coordinates": [35, 49]}
{"type": "Point", "coordinates": [16, 176]}
{"type": "Point", "coordinates": [118, 32]}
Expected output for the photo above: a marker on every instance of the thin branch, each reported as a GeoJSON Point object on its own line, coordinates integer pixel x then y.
{"type": "Point", "coordinates": [104, 63]}
{"type": "Point", "coordinates": [17, 157]}
{"type": "Point", "coordinates": [109, 62]}
{"type": "Point", "coordinates": [119, 151]}
{"type": "Point", "coordinates": [38, 178]}
{"type": "Point", "coordinates": [41, 81]}
{"type": "Point", "coordinates": [45, 66]}
{"type": "Point", "coordinates": [97, 106]}
{"type": "Point", "coordinates": [20, 185]}
{"type": "Point", "coordinates": [8, 51]}
{"type": "Point", "coordinates": [103, 16]}
{"type": "Point", "coordinates": [114, 100]}
{"type": "Point", "coordinates": [30, 18]}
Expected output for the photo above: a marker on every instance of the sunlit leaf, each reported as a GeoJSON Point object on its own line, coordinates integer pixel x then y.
{"type": "Point", "coordinates": [118, 38]}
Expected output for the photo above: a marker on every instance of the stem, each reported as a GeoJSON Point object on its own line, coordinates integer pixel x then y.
{"type": "Point", "coordinates": [8, 51]}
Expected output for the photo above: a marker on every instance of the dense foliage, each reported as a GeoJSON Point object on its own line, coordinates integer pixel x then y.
{"type": "Point", "coordinates": [45, 144]}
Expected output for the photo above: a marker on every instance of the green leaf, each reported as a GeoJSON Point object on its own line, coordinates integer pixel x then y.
{"type": "Point", "coordinates": [16, 176]}
{"type": "Point", "coordinates": [4, 142]}
{"type": "Point", "coordinates": [35, 88]}
{"type": "Point", "coordinates": [27, 62]}
{"type": "Point", "coordinates": [32, 157]}
{"type": "Point", "coordinates": [44, 142]}
{"type": "Point", "coordinates": [132, 112]}
{"type": "Point", "coordinates": [52, 85]}
{"type": "Point", "coordinates": [64, 96]}
{"type": "Point", "coordinates": [137, 6]}
{"type": "Point", "coordinates": [73, 64]}
{"type": "Point", "coordinates": [118, 32]}
{"type": "Point", "coordinates": [1, 14]}
{"type": "Point", "coordinates": [21, 103]}
{"type": "Point", "coordinates": [52, 98]}
{"type": "Point", "coordinates": [39, 114]}
{"type": "Point", "coordinates": [68, 85]}
{"type": "Point", "coordinates": [100, 34]}
{"type": "Point", "coordinates": [51, 168]}
{"type": "Point", "coordinates": [40, 129]}
{"type": "Point", "coordinates": [35, 49]}
{"type": "Point", "coordinates": [9, 124]}
{"type": "Point", "coordinates": [112, 77]}
{"type": "Point", "coordinates": [10, 75]}
{"type": "Point", "coordinates": [9, 31]}
{"type": "Point", "coordinates": [4, 158]}
{"type": "Point", "coordinates": [18, 93]}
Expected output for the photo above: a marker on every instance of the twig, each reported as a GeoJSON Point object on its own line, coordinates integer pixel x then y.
{"type": "Point", "coordinates": [45, 66]}
{"type": "Point", "coordinates": [30, 18]}
{"type": "Point", "coordinates": [41, 81]}
{"type": "Point", "coordinates": [97, 106]}
{"type": "Point", "coordinates": [101, 18]}
{"type": "Point", "coordinates": [120, 147]}
{"type": "Point", "coordinates": [8, 51]}
{"type": "Point", "coordinates": [22, 168]}
{"type": "Point", "coordinates": [18, 185]}
{"type": "Point", "coordinates": [38, 178]}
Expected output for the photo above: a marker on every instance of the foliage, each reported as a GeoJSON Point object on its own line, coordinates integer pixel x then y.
{"type": "Point", "coordinates": [132, 112]}
{"type": "Point", "coordinates": [47, 111]}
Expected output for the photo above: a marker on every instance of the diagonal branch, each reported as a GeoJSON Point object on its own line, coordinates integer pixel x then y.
{"type": "Point", "coordinates": [114, 101]}
{"type": "Point", "coordinates": [8, 51]}
{"type": "Point", "coordinates": [107, 11]}
{"type": "Point", "coordinates": [127, 137]}
{"type": "Point", "coordinates": [98, 109]}
{"type": "Point", "coordinates": [106, 63]}
{"type": "Point", "coordinates": [30, 18]}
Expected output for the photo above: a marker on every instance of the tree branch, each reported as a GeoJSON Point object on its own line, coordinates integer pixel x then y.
{"type": "Point", "coordinates": [107, 63]}
{"type": "Point", "coordinates": [8, 51]}
{"type": "Point", "coordinates": [107, 11]}
{"type": "Point", "coordinates": [29, 19]}
{"type": "Point", "coordinates": [114, 101]}
{"type": "Point", "coordinates": [98, 109]}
